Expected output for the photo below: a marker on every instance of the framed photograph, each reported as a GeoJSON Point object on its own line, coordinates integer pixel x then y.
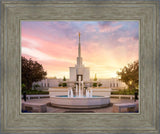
{"type": "Point", "coordinates": [80, 66]}
{"type": "Point", "coordinates": [88, 84]}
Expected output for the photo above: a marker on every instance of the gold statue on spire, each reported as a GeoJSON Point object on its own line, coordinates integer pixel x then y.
{"type": "Point", "coordinates": [79, 34]}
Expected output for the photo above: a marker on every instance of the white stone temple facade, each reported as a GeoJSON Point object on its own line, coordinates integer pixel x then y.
{"type": "Point", "coordinates": [79, 70]}
{"type": "Point", "coordinates": [113, 83]}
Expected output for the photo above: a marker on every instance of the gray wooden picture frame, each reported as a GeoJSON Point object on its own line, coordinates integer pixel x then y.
{"type": "Point", "coordinates": [144, 11]}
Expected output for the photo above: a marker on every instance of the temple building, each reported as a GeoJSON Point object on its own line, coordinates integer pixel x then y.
{"type": "Point", "coordinates": [79, 71]}
{"type": "Point", "coordinates": [82, 73]}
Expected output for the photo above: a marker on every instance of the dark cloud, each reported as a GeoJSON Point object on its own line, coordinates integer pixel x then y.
{"type": "Point", "coordinates": [105, 23]}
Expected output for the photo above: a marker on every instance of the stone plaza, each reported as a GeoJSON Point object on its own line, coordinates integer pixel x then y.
{"type": "Point", "coordinates": [50, 109]}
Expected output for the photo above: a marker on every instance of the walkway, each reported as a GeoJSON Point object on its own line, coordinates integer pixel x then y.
{"type": "Point", "coordinates": [65, 110]}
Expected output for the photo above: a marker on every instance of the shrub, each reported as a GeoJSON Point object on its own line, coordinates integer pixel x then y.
{"type": "Point", "coordinates": [59, 84]}
{"type": "Point", "coordinates": [94, 84]}
{"type": "Point", "coordinates": [99, 84]}
{"type": "Point", "coordinates": [34, 92]}
{"type": "Point", "coordinates": [64, 84]}
{"type": "Point", "coordinates": [124, 92]}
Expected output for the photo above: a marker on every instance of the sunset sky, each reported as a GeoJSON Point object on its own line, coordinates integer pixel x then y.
{"type": "Point", "coordinates": [106, 46]}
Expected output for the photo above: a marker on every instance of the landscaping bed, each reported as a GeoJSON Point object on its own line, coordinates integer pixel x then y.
{"type": "Point", "coordinates": [36, 92]}
{"type": "Point", "coordinates": [123, 92]}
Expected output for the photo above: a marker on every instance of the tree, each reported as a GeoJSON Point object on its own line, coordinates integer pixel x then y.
{"type": "Point", "coordinates": [95, 79]}
{"type": "Point", "coordinates": [32, 71]}
{"type": "Point", "coordinates": [100, 84]}
{"type": "Point", "coordinates": [64, 84]}
{"type": "Point", "coordinates": [64, 78]}
{"type": "Point", "coordinates": [130, 75]}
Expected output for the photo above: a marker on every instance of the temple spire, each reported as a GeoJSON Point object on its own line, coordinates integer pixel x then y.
{"type": "Point", "coordinates": [79, 58]}
{"type": "Point", "coordinates": [79, 47]}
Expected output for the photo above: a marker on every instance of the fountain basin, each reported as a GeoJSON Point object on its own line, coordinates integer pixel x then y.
{"type": "Point", "coordinates": [83, 102]}
{"type": "Point", "coordinates": [53, 92]}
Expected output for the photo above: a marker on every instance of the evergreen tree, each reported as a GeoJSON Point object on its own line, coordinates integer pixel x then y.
{"type": "Point", "coordinates": [95, 79]}
{"type": "Point", "coordinates": [64, 84]}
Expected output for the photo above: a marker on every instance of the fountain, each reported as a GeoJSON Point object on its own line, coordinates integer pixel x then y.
{"type": "Point", "coordinates": [78, 96]}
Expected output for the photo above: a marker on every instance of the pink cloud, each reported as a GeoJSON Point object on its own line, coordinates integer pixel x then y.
{"type": "Point", "coordinates": [41, 48]}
